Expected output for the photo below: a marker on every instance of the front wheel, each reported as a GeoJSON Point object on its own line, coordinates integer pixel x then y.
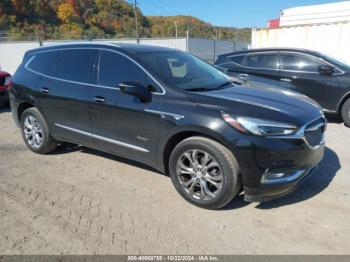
{"type": "Point", "coordinates": [35, 132]}
{"type": "Point", "coordinates": [204, 172]}
{"type": "Point", "coordinates": [346, 112]}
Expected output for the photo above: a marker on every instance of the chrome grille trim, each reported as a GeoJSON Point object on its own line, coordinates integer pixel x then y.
{"type": "Point", "coordinates": [308, 126]}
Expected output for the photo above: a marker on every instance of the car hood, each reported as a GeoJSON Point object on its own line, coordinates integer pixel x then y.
{"type": "Point", "coordinates": [264, 103]}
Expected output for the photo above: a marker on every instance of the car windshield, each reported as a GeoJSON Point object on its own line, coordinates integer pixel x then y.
{"type": "Point", "coordinates": [184, 71]}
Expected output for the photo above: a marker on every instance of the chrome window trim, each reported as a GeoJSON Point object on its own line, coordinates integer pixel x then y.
{"type": "Point", "coordinates": [279, 52]}
{"type": "Point", "coordinates": [26, 66]}
{"type": "Point", "coordinates": [105, 139]}
{"type": "Point", "coordinates": [257, 53]}
{"type": "Point", "coordinates": [322, 61]}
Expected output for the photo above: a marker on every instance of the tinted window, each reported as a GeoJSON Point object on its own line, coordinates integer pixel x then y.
{"type": "Point", "coordinates": [263, 61]}
{"type": "Point", "coordinates": [238, 59]}
{"type": "Point", "coordinates": [182, 70]}
{"type": "Point", "coordinates": [74, 65]}
{"type": "Point", "coordinates": [43, 62]}
{"type": "Point", "coordinates": [301, 63]}
{"type": "Point", "coordinates": [115, 68]}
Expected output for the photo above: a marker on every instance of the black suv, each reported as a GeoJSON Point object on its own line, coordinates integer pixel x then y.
{"type": "Point", "coordinates": [172, 111]}
{"type": "Point", "coordinates": [322, 78]}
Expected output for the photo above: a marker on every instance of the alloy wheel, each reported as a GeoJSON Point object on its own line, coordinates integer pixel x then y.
{"type": "Point", "coordinates": [33, 131]}
{"type": "Point", "coordinates": [199, 174]}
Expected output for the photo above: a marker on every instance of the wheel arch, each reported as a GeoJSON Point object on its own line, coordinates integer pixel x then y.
{"type": "Point", "coordinates": [22, 106]}
{"type": "Point", "coordinates": [342, 102]}
{"type": "Point", "coordinates": [176, 137]}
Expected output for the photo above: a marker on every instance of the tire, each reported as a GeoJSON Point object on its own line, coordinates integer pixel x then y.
{"type": "Point", "coordinates": [37, 138]}
{"type": "Point", "coordinates": [345, 112]}
{"type": "Point", "coordinates": [219, 167]}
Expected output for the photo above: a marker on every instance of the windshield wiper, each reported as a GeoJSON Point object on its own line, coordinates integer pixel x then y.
{"type": "Point", "coordinates": [202, 89]}
{"type": "Point", "coordinates": [225, 84]}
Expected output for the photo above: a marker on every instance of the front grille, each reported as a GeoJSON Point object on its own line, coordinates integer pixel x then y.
{"type": "Point", "coordinates": [314, 132]}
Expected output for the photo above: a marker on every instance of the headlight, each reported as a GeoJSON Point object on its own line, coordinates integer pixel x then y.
{"type": "Point", "coordinates": [259, 127]}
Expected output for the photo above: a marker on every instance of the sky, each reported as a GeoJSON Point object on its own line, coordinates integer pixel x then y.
{"type": "Point", "coordinates": [232, 13]}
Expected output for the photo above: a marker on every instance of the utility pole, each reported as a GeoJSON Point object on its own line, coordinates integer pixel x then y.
{"type": "Point", "coordinates": [136, 23]}
{"type": "Point", "coordinates": [175, 29]}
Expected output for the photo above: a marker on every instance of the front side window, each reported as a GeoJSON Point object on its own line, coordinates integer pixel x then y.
{"type": "Point", "coordinates": [182, 70]}
{"type": "Point", "coordinates": [114, 68]}
{"type": "Point", "coordinates": [301, 63]}
{"type": "Point", "coordinates": [262, 61]}
{"type": "Point", "coordinates": [73, 65]}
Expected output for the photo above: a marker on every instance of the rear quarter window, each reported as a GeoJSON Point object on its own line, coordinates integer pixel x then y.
{"type": "Point", "coordinates": [43, 63]}
{"type": "Point", "coordinates": [237, 59]}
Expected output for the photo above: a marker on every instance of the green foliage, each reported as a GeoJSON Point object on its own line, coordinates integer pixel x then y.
{"type": "Point", "coordinates": [74, 19]}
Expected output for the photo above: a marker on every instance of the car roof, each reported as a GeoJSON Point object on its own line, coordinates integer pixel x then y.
{"type": "Point", "coordinates": [130, 47]}
{"type": "Point", "coordinates": [275, 49]}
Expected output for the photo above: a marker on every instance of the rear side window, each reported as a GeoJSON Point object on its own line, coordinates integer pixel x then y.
{"type": "Point", "coordinates": [301, 63]}
{"type": "Point", "coordinates": [238, 59]}
{"type": "Point", "coordinates": [43, 62]}
{"type": "Point", "coordinates": [262, 61]}
{"type": "Point", "coordinates": [115, 68]}
{"type": "Point", "coordinates": [74, 65]}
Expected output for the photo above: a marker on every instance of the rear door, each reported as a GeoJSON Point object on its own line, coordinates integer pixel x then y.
{"type": "Point", "coordinates": [300, 73]}
{"type": "Point", "coordinates": [255, 67]}
{"type": "Point", "coordinates": [261, 67]}
{"type": "Point", "coordinates": [65, 95]}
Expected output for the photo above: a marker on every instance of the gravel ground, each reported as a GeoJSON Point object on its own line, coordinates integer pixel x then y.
{"type": "Point", "coordinates": [80, 201]}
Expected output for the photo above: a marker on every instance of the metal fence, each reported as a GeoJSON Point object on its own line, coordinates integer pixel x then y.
{"type": "Point", "coordinates": [11, 53]}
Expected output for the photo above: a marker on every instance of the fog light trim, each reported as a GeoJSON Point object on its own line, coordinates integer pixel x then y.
{"type": "Point", "coordinates": [282, 177]}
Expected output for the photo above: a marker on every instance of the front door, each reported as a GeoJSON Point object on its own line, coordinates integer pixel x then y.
{"type": "Point", "coordinates": [122, 123]}
{"type": "Point", "coordinates": [261, 67]}
{"type": "Point", "coordinates": [300, 73]}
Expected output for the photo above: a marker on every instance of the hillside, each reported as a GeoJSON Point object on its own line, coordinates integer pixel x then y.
{"type": "Point", "coordinates": [76, 19]}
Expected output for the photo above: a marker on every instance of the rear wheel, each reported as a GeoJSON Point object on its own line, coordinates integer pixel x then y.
{"type": "Point", "coordinates": [346, 112]}
{"type": "Point", "coordinates": [35, 132]}
{"type": "Point", "coordinates": [204, 172]}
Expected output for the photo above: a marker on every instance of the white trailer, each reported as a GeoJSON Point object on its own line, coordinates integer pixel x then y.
{"type": "Point", "coordinates": [324, 28]}
{"type": "Point", "coordinates": [316, 14]}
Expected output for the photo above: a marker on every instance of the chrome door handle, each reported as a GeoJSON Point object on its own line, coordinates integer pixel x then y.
{"type": "Point", "coordinates": [44, 90]}
{"type": "Point", "coordinates": [243, 75]}
{"type": "Point", "coordinates": [100, 99]}
{"type": "Point", "coordinates": [286, 80]}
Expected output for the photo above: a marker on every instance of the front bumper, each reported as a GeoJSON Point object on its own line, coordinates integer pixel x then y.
{"type": "Point", "coordinates": [273, 167]}
{"type": "Point", "coordinates": [275, 190]}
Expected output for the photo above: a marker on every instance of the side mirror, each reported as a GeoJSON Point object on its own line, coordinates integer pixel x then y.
{"type": "Point", "coordinates": [136, 89]}
{"type": "Point", "coordinates": [326, 70]}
